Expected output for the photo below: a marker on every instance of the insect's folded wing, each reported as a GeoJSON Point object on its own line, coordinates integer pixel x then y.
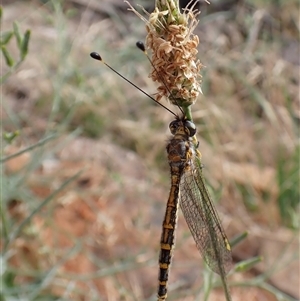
{"type": "Point", "coordinates": [202, 219]}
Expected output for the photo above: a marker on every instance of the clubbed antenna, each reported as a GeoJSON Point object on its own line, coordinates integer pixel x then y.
{"type": "Point", "coordinates": [96, 56]}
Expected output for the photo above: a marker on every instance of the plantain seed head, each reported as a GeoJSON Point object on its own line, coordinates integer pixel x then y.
{"type": "Point", "coordinates": [174, 52]}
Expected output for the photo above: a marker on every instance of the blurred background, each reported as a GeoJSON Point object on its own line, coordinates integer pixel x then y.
{"type": "Point", "coordinates": [84, 174]}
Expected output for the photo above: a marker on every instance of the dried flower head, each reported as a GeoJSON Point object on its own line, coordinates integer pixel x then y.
{"type": "Point", "coordinates": [174, 49]}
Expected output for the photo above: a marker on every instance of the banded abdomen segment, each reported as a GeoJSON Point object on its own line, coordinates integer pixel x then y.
{"type": "Point", "coordinates": [177, 158]}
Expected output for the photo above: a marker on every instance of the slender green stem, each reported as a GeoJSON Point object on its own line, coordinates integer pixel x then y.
{"type": "Point", "coordinates": [29, 148]}
{"type": "Point", "coordinates": [225, 287]}
{"type": "Point", "coordinates": [188, 112]}
{"type": "Point", "coordinates": [207, 284]}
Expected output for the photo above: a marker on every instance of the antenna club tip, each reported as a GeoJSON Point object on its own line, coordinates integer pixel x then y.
{"type": "Point", "coordinates": [141, 46]}
{"type": "Point", "coordinates": [96, 56]}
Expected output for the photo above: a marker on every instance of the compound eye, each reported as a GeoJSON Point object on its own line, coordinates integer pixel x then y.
{"type": "Point", "coordinates": [191, 128]}
{"type": "Point", "coordinates": [173, 127]}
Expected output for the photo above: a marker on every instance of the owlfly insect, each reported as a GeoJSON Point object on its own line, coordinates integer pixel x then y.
{"type": "Point", "coordinates": [188, 190]}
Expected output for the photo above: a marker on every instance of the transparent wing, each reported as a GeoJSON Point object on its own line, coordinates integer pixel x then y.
{"type": "Point", "coordinates": [203, 220]}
